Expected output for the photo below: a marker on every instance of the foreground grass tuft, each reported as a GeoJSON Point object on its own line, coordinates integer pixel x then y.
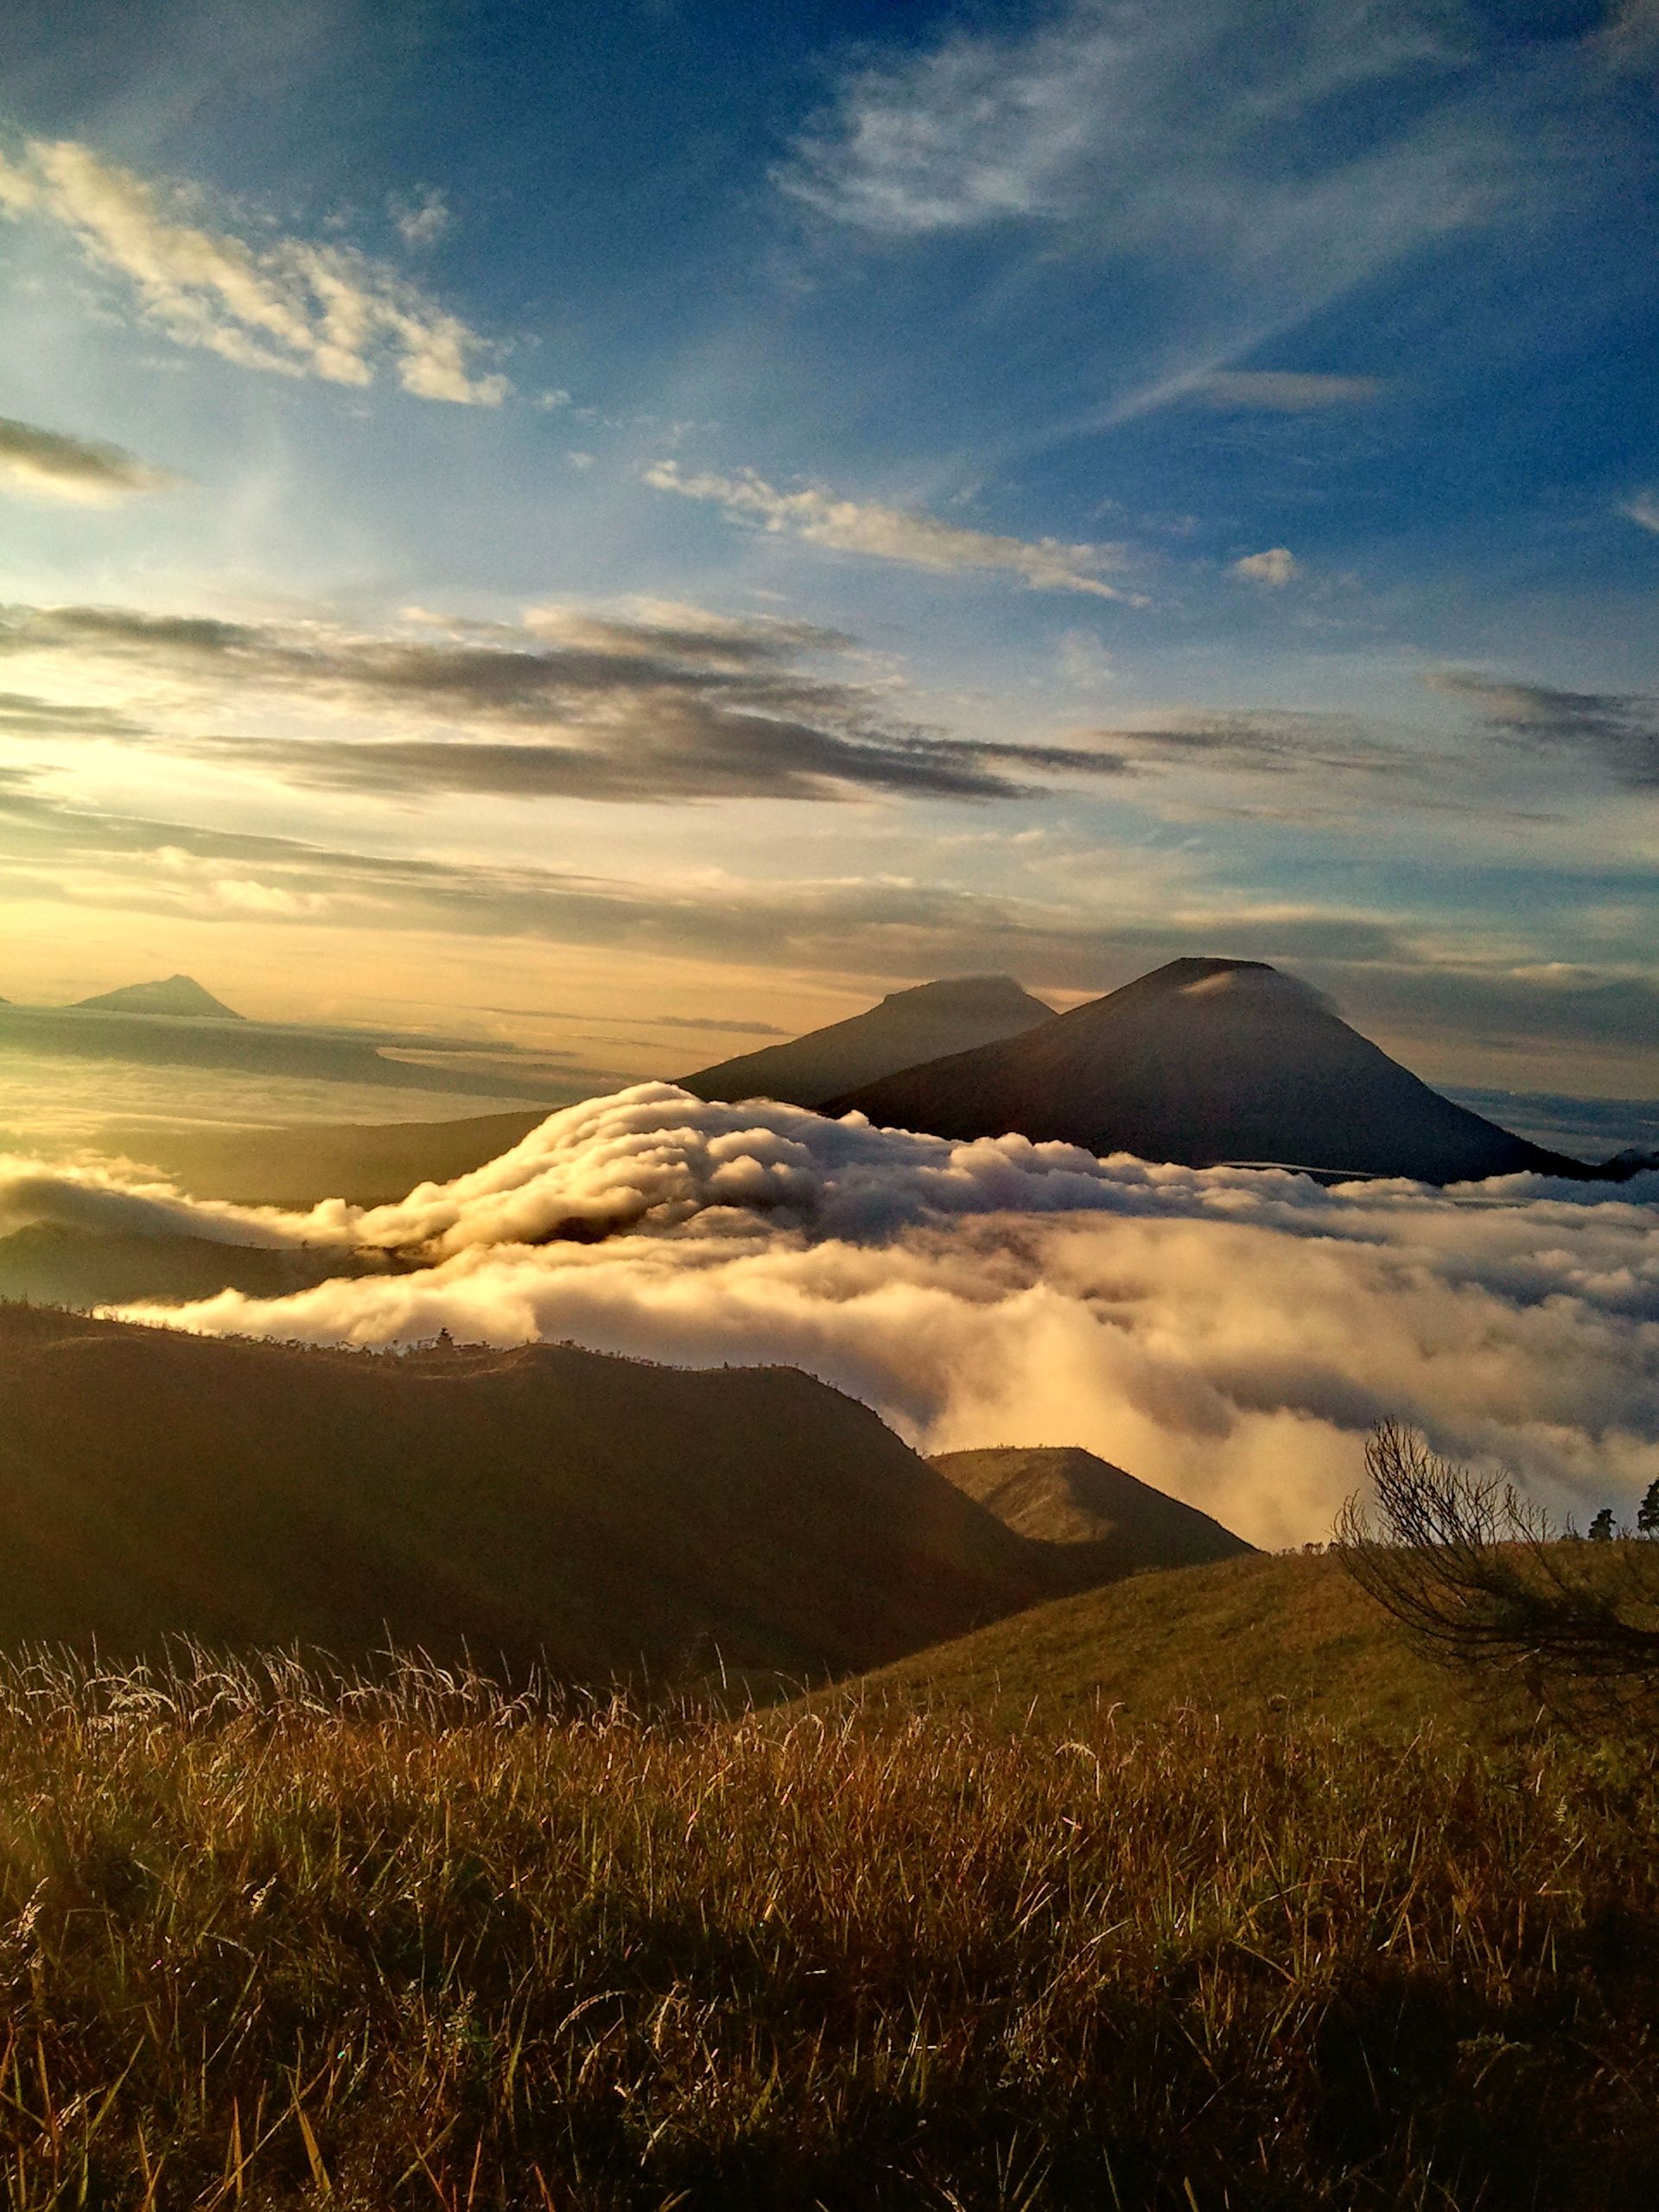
{"type": "Point", "coordinates": [266, 1941]}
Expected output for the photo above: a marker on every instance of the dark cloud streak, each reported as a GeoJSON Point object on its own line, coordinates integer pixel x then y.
{"type": "Point", "coordinates": [1620, 729]}
{"type": "Point", "coordinates": [61, 467]}
{"type": "Point", "coordinates": [661, 712]}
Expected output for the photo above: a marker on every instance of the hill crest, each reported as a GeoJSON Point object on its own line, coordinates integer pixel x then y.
{"type": "Point", "coordinates": [609, 1515]}
{"type": "Point", "coordinates": [1063, 1495]}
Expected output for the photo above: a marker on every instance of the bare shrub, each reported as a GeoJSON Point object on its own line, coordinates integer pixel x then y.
{"type": "Point", "coordinates": [1477, 1573]}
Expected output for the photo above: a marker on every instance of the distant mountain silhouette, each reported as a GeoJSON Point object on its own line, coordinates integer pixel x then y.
{"type": "Point", "coordinates": [1108, 1521]}
{"type": "Point", "coordinates": [176, 995]}
{"type": "Point", "coordinates": [610, 1514]}
{"type": "Point", "coordinates": [907, 1026]}
{"type": "Point", "coordinates": [369, 1163]}
{"type": "Point", "coordinates": [1635, 1160]}
{"type": "Point", "coordinates": [52, 1264]}
{"type": "Point", "coordinates": [1206, 1062]}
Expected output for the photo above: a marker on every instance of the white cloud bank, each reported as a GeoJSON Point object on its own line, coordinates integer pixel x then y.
{"type": "Point", "coordinates": [1228, 1336]}
{"type": "Point", "coordinates": [290, 306]}
{"type": "Point", "coordinates": [886, 533]}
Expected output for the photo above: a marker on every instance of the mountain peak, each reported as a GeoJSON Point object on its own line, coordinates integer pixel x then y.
{"type": "Point", "coordinates": [963, 993]}
{"type": "Point", "coordinates": [952, 1014]}
{"type": "Point", "coordinates": [178, 995]}
{"type": "Point", "coordinates": [1206, 1061]}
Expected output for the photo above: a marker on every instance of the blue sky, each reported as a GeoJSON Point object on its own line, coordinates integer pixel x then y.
{"type": "Point", "coordinates": [722, 509]}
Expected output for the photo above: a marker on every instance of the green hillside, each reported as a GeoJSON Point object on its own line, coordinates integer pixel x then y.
{"type": "Point", "coordinates": [1110, 1522]}
{"type": "Point", "coordinates": [1269, 1637]}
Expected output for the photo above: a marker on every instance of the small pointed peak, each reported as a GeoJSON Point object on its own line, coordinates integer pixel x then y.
{"type": "Point", "coordinates": [172, 994]}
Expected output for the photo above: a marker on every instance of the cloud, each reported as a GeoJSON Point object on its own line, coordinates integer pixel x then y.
{"type": "Point", "coordinates": [1620, 729]}
{"type": "Point", "coordinates": [890, 929]}
{"type": "Point", "coordinates": [1119, 119]}
{"type": "Point", "coordinates": [422, 222]}
{"type": "Point", "coordinates": [1229, 1337]}
{"type": "Point", "coordinates": [1276, 568]}
{"type": "Point", "coordinates": [718, 1023]}
{"type": "Point", "coordinates": [1284, 392]}
{"type": "Point", "coordinates": [50, 464]}
{"type": "Point", "coordinates": [1249, 180]}
{"type": "Point", "coordinates": [675, 705]}
{"type": "Point", "coordinates": [885, 533]}
{"type": "Point", "coordinates": [1643, 509]}
{"type": "Point", "coordinates": [1256, 738]}
{"type": "Point", "coordinates": [1629, 35]}
{"type": "Point", "coordinates": [23, 715]}
{"type": "Point", "coordinates": [290, 307]}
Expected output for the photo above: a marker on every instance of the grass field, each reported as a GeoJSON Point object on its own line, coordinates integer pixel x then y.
{"type": "Point", "coordinates": [1265, 1640]}
{"type": "Point", "coordinates": [267, 1943]}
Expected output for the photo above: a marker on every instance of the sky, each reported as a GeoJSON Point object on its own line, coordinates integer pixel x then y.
{"type": "Point", "coordinates": [557, 525]}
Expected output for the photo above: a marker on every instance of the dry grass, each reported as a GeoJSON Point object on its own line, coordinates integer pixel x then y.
{"type": "Point", "coordinates": [268, 1941]}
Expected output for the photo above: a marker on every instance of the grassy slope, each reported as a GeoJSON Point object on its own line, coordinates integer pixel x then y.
{"type": "Point", "coordinates": [422, 1950]}
{"type": "Point", "coordinates": [545, 1498]}
{"type": "Point", "coordinates": [1244, 1640]}
{"type": "Point", "coordinates": [1061, 1494]}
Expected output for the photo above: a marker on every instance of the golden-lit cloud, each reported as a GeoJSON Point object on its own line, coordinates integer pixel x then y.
{"type": "Point", "coordinates": [289, 306]}
{"type": "Point", "coordinates": [885, 533]}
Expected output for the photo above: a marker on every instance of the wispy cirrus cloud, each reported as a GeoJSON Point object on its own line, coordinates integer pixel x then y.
{"type": "Point", "coordinates": [1256, 740]}
{"type": "Point", "coordinates": [289, 305]}
{"type": "Point", "coordinates": [675, 705]}
{"type": "Point", "coordinates": [886, 533]}
{"type": "Point", "coordinates": [1618, 730]}
{"type": "Point", "coordinates": [1284, 392]}
{"type": "Point", "coordinates": [1255, 175]}
{"type": "Point", "coordinates": [1644, 509]}
{"type": "Point", "coordinates": [1097, 112]}
{"type": "Point", "coordinates": [53, 465]}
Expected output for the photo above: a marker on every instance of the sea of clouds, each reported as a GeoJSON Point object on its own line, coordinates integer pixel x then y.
{"type": "Point", "coordinates": [1228, 1335]}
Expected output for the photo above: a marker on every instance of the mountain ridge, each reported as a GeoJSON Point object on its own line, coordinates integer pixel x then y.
{"type": "Point", "coordinates": [1206, 1062]}
{"type": "Point", "coordinates": [951, 1015]}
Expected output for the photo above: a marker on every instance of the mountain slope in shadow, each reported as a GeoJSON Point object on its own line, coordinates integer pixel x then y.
{"type": "Point", "coordinates": [907, 1026]}
{"type": "Point", "coordinates": [1206, 1062]}
{"type": "Point", "coordinates": [620, 1518]}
